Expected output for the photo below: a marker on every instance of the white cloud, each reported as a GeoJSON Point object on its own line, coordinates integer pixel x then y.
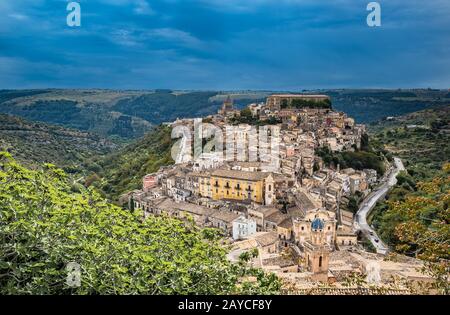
{"type": "Point", "coordinates": [143, 8]}
{"type": "Point", "coordinates": [17, 16]}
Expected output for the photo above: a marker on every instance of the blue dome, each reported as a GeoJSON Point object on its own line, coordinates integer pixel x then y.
{"type": "Point", "coordinates": [317, 224]}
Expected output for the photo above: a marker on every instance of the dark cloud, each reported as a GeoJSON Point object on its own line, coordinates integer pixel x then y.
{"type": "Point", "coordinates": [217, 44]}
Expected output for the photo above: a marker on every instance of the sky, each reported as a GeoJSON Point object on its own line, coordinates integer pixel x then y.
{"type": "Point", "coordinates": [224, 44]}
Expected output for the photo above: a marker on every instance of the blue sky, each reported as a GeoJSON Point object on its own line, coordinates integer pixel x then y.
{"type": "Point", "coordinates": [224, 44]}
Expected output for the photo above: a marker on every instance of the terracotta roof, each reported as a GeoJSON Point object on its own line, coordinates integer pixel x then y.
{"type": "Point", "coordinates": [170, 205]}
{"type": "Point", "coordinates": [277, 217]}
{"type": "Point", "coordinates": [243, 175]}
{"type": "Point", "coordinates": [225, 216]}
{"type": "Point", "coordinates": [268, 238]}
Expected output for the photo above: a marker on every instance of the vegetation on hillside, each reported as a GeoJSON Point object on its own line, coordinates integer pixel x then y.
{"type": "Point", "coordinates": [420, 139]}
{"type": "Point", "coordinates": [419, 225]}
{"type": "Point", "coordinates": [373, 105]}
{"type": "Point", "coordinates": [165, 106]}
{"type": "Point", "coordinates": [414, 217]}
{"type": "Point", "coordinates": [122, 171]}
{"type": "Point", "coordinates": [130, 114]}
{"type": "Point", "coordinates": [357, 160]}
{"type": "Point", "coordinates": [34, 143]}
{"type": "Point", "coordinates": [45, 226]}
{"type": "Point", "coordinates": [300, 103]}
{"type": "Point", "coordinates": [245, 117]}
{"type": "Point", "coordinates": [73, 114]}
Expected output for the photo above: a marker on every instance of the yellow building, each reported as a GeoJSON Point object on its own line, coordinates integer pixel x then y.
{"type": "Point", "coordinates": [242, 186]}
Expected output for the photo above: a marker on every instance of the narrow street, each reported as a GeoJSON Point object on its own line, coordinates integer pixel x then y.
{"type": "Point", "coordinates": [368, 204]}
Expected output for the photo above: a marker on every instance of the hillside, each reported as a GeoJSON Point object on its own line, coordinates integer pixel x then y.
{"type": "Point", "coordinates": [35, 143]}
{"type": "Point", "coordinates": [122, 171]}
{"type": "Point", "coordinates": [368, 106]}
{"type": "Point", "coordinates": [130, 114]}
{"type": "Point", "coordinates": [422, 141]}
{"type": "Point", "coordinates": [89, 110]}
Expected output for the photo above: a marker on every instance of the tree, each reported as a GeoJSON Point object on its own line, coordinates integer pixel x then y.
{"type": "Point", "coordinates": [44, 226]}
{"type": "Point", "coordinates": [422, 227]}
{"type": "Point", "coordinates": [246, 114]}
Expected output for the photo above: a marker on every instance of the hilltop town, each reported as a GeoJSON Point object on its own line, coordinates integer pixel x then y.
{"type": "Point", "coordinates": [282, 200]}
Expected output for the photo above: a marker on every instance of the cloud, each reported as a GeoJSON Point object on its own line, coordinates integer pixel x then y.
{"type": "Point", "coordinates": [20, 17]}
{"type": "Point", "coordinates": [143, 8]}
{"type": "Point", "coordinates": [264, 44]}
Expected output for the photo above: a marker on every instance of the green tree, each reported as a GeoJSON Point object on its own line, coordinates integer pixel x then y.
{"type": "Point", "coordinates": [420, 226]}
{"type": "Point", "coordinates": [44, 226]}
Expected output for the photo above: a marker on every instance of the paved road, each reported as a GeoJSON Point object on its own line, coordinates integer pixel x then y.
{"type": "Point", "coordinates": [368, 204]}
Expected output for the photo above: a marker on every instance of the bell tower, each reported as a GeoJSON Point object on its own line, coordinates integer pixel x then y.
{"type": "Point", "coordinates": [269, 191]}
{"type": "Point", "coordinates": [317, 252]}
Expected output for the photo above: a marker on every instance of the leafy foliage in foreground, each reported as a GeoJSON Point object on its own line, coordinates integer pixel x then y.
{"type": "Point", "coordinates": [44, 226]}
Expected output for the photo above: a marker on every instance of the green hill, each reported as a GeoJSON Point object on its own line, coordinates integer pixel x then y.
{"type": "Point", "coordinates": [84, 110]}
{"type": "Point", "coordinates": [35, 143]}
{"type": "Point", "coordinates": [130, 114]}
{"type": "Point", "coordinates": [372, 105]}
{"type": "Point", "coordinates": [122, 171]}
{"type": "Point", "coordinates": [422, 141]}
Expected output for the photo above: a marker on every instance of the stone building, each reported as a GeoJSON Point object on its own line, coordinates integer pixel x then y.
{"type": "Point", "coordinates": [243, 227]}
{"type": "Point", "coordinates": [257, 187]}
{"type": "Point", "coordinates": [303, 229]}
{"type": "Point", "coordinates": [317, 251]}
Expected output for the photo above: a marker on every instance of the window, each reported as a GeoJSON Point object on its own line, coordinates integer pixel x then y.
{"type": "Point", "coordinates": [270, 187]}
{"type": "Point", "coordinates": [329, 228]}
{"type": "Point", "coordinates": [303, 228]}
{"type": "Point", "coordinates": [320, 261]}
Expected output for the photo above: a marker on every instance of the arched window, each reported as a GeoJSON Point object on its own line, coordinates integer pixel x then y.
{"type": "Point", "coordinates": [320, 261]}
{"type": "Point", "coordinates": [270, 187]}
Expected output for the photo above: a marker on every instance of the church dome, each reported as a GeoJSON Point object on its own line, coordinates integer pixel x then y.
{"type": "Point", "coordinates": [317, 224]}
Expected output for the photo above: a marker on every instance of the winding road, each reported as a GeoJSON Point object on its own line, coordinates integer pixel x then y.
{"type": "Point", "coordinates": [367, 205]}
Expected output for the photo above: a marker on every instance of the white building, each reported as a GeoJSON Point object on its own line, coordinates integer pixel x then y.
{"type": "Point", "coordinates": [243, 227]}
